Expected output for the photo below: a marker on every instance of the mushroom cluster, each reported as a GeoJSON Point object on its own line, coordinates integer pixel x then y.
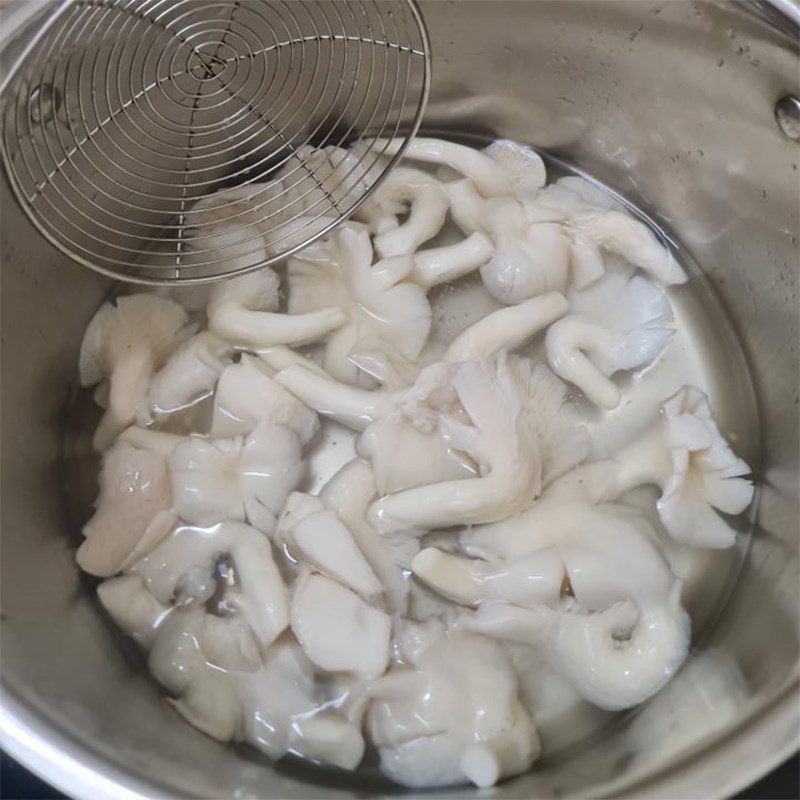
{"type": "Point", "coordinates": [389, 606]}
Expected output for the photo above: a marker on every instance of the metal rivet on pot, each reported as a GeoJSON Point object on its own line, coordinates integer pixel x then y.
{"type": "Point", "coordinates": [43, 103]}
{"type": "Point", "coordinates": [787, 113]}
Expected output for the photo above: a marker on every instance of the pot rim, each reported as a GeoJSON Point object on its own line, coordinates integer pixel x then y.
{"type": "Point", "coordinates": [748, 750]}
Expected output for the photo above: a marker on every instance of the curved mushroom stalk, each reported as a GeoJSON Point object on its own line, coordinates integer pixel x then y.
{"type": "Point", "coordinates": [244, 311]}
{"type": "Point", "coordinates": [247, 395]}
{"type": "Point", "coordinates": [504, 167]}
{"type": "Point", "coordinates": [315, 536]}
{"type": "Point", "coordinates": [358, 642]}
{"type": "Point", "coordinates": [190, 375]}
{"type": "Point", "coordinates": [380, 305]}
{"type": "Point", "coordinates": [519, 436]}
{"type": "Point", "coordinates": [451, 262]}
{"type": "Point", "coordinates": [348, 494]}
{"type": "Point", "coordinates": [186, 569]}
{"type": "Point", "coordinates": [535, 579]}
{"type": "Point", "coordinates": [125, 344]}
{"type": "Point", "coordinates": [618, 232]}
{"type": "Point", "coordinates": [615, 659]}
{"type": "Point", "coordinates": [507, 328]}
{"type": "Point", "coordinates": [236, 479]}
{"type": "Point", "coordinates": [353, 407]}
{"type": "Point", "coordinates": [279, 357]}
{"type": "Point", "coordinates": [132, 510]}
{"type": "Point", "coordinates": [427, 204]}
{"type": "Point", "coordinates": [619, 323]}
{"type": "Point", "coordinates": [455, 716]}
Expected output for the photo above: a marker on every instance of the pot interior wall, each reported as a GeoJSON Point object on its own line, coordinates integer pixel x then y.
{"type": "Point", "coordinates": [669, 103]}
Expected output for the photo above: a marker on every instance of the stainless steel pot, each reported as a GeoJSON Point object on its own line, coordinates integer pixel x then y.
{"type": "Point", "coordinates": [670, 103]}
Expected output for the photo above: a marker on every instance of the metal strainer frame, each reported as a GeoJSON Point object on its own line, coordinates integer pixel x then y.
{"type": "Point", "coordinates": [72, 119]}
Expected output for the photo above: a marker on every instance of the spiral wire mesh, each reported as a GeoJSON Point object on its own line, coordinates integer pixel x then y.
{"type": "Point", "coordinates": [124, 118]}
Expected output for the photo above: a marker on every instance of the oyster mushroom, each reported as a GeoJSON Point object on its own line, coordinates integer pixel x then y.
{"type": "Point", "coordinates": [454, 716]}
{"type": "Point", "coordinates": [244, 311]}
{"type": "Point", "coordinates": [626, 634]}
{"type": "Point", "coordinates": [504, 167]}
{"type": "Point", "coordinates": [506, 329]}
{"type": "Point", "coordinates": [517, 434]}
{"type": "Point", "coordinates": [190, 374]}
{"type": "Point", "coordinates": [182, 570]}
{"type": "Point", "coordinates": [132, 509]}
{"type": "Point", "coordinates": [530, 258]}
{"type": "Point", "coordinates": [615, 659]}
{"type": "Point", "coordinates": [247, 395]}
{"type": "Point", "coordinates": [125, 344]}
{"type": "Point", "coordinates": [237, 479]}
{"type": "Point", "coordinates": [448, 263]}
{"type": "Point", "coordinates": [317, 537]}
{"type": "Point", "coordinates": [427, 205]}
{"type": "Point", "coordinates": [686, 456]}
{"type": "Point", "coordinates": [619, 323]}
{"type": "Point", "coordinates": [349, 405]}
{"type": "Point", "coordinates": [339, 632]}
{"type": "Point", "coordinates": [377, 300]}
{"type": "Point", "coordinates": [348, 494]}
{"type": "Point", "coordinates": [537, 578]}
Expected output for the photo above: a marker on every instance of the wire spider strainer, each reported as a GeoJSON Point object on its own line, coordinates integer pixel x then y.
{"type": "Point", "coordinates": [122, 114]}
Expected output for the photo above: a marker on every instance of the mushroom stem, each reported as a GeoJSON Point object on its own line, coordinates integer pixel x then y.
{"type": "Point", "coordinates": [488, 175]}
{"type": "Point", "coordinates": [468, 501]}
{"type": "Point", "coordinates": [280, 356]}
{"type": "Point", "coordinates": [446, 264]}
{"type": "Point", "coordinates": [507, 328]}
{"type": "Point", "coordinates": [471, 581]}
{"type": "Point", "coordinates": [565, 343]}
{"type": "Point", "coordinates": [352, 407]}
{"type": "Point", "coordinates": [265, 329]}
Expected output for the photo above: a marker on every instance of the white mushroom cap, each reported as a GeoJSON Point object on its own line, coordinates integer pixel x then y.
{"type": "Point", "coordinates": [523, 165]}
{"type": "Point", "coordinates": [706, 474]}
{"type": "Point", "coordinates": [380, 305]}
{"type": "Point", "coordinates": [182, 570]}
{"type": "Point", "coordinates": [338, 631]}
{"type": "Point", "coordinates": [316, 536]}
{"type": "Point", "coordinates": [125, 344]}
{"type": "Point", "coordinates": [189, 375]}
{"type": "Point", "coordinates": [250, 479]}
{"type": "Point", "coordinates": [246, 395]}
{"type": "Point", "coordinates": [456, 715]}
{"type": "Point", "coordinates": [349, 493]}
{"type": "Point", "coordinates": [134, 488]}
